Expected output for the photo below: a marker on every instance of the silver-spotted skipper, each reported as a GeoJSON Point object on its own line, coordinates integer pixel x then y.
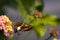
{"type": "Point", "coordinates": [20, 26]}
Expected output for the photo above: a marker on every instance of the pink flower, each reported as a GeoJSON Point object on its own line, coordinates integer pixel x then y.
{"type": "Point", "coordinates": [8, 33]}
{"type": "Point", "coordinates": [1, 25]}
{"type": "Point", "coordinates": [2, 19]}
{"type": "Point", "coordinates": [6, 25]}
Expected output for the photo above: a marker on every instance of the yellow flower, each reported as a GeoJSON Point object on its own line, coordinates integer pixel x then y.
{"type": "Point", "coordinates": [8, 28]}
{"type": "Point", "coordinates": [7, 19]}
{"type": "Point", "coordinates": [8, 22]}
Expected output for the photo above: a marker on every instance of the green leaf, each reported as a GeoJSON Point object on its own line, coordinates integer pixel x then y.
{"type": "Point", "coordinates": [39, 27]}
{"type": "Point", "coordinates": [31, 5]}
{"type": "Point", "coordinates": [26, 7]}
{"type": "Point", "coordinates": [57, 20]}
{"type": "Point", "coordinates": [40, 31]}
{"type": "Point", "coordinates": [51, 20]}
{"type": "Point", "coordinates": [39, 24]}
{"type": "Point", "coordinates": [28, 19]}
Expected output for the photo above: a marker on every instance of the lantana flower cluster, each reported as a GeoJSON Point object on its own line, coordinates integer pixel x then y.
{"type": "Point", "coordinates": [6, 25]}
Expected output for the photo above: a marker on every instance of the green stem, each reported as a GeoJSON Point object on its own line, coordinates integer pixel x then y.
{"type": "Point", "coordinates": [10, 37]}
{"type": "Point", "coordinates": [5, 38]}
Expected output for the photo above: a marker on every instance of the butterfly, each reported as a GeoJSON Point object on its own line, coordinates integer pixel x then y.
{"type": "Point", "coordinates": [21, 26]}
